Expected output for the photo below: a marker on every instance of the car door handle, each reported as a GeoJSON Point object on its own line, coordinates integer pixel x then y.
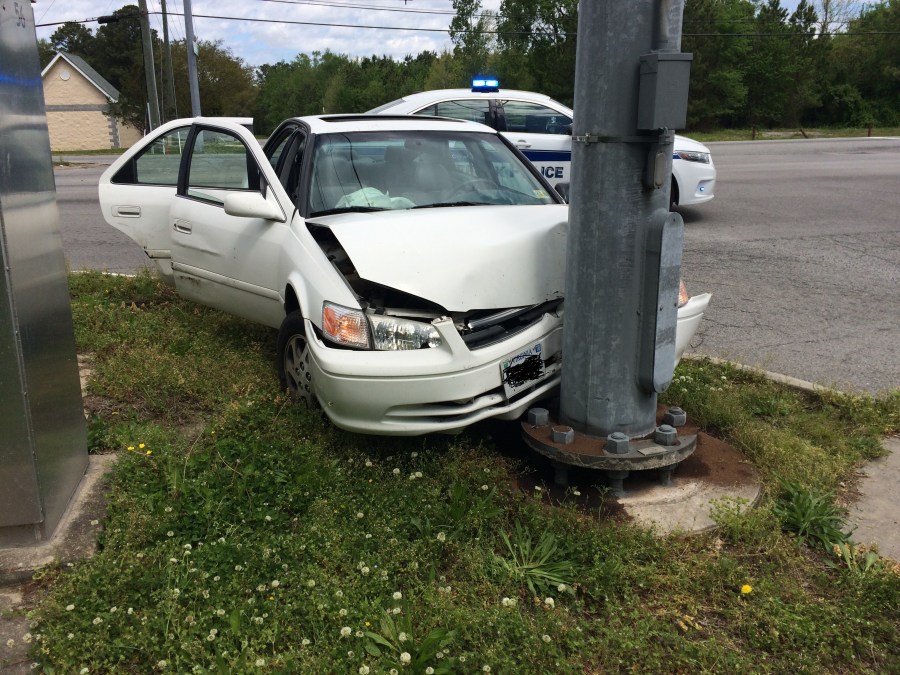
{"type": "Point", "coordinates": [522, 143]}
{"type": "Point", "coordinates": [127, 211]}
{"type": "Point", "coordinates": [183, 226]}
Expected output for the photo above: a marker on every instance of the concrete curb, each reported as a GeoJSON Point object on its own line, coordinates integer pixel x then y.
{"type": "Point", "coordinates": [786, 380]}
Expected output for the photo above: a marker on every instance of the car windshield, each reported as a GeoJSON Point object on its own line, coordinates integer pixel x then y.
{"type": "Point", "coordinates": [418, 169]}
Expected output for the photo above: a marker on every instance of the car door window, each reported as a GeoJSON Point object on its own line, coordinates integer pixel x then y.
{"type": "Point", "coordinates": [220, 161]}
{"type": "Point", "coordinates": [474, 110]}
{"type": "Point", "coordinates": [158, 163]}
{"type": "Point", "coordinates": [534, 118]}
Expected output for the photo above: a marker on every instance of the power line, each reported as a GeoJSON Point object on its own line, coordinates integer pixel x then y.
{"type": "Point", "coordinates": [326, 24]}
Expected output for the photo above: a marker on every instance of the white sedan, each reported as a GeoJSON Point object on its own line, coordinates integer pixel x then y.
{"type": "Point", "coordinates": [542, 129]}
{"type": "Point", "coordinates": [413, 267]}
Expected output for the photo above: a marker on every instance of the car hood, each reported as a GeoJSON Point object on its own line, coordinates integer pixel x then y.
{"type": "Point", "coordinates": [689, 144]}
{"type": "Point", "coordinates": [461, 258]}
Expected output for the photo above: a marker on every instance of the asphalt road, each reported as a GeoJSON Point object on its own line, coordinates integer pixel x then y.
{"type": "Point", "coordinates": [800, 248]}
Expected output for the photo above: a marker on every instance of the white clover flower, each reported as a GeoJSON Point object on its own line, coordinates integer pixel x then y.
{"type": "Point", "coordinates": [342, 612]}
{"type": "Point", "coordinates": [359, 633]}
{"type": "Point", "coordinates": [396, 610]}
{"type": "Point", "coordinates": [26, 638]}
{"type": "Point", "coordinates": [261, 588]}
{"type": "Point", "coordinates": [10, 643]}
{"type": "Point", "coordinates": [275, 583]}
{"type": "Point", "coordinates": [393, 671]}
{"type": "Point", "coordinates": [360, 514]}
{"type": "Point", "coordinates": [550, 602]}
{"type": "Point", "coordinates": [187, 547]}
{"type": "Point", "coordinates": [577, 493]}
{"type": "Point", "coordinates": [168, 509]}
{"type": "Point", "coordinates": [69, 608]}
{"type": "Point", "coordinates": [414, 454]}
{"type": "Point", "coordinates": [71, 636]}
{"type": "Point", "coordinates": [220, 612]}
{"type": "Point", "coordinates": [170, 533]}
{"type": "Point", "coordinates": [95, 522]}
{"type": "Point", "coordinates": [402, 637]}
{"type": "Point", "coordinates": [396, 472]}
{"type": "Point", "coordinates": [405, 658]}
{"type": "Point", "coordinates": [257, 620]}
{"type": "Point", "coordinates": [364, 670]}
{"type": "Point", "coordinates": [486, 668]}
{"type": "Point", "coordinates": [561, 588]}
{"type": "Point", "coordinates": [441, 536]}
{"type": "Point", "coordinates": [97, 621]}
{"type": "Point", "coordinates": [311, 583]}
{"type": "Point", "coordinates": [131, 610]}
{"type": "Point", "coordinates": [545, 638]}
{"type": "Point", "coordinates": [368, 463]}
{"type": "Point", "coordinates": [364, 570]}
{"type": "Point", "coordinates": [162, 663]}
{"type": "Point", "coordinates": [173, 560]}
{"type": "Point", "coordinates": [429, 671]}
{"type": "Point", "coordinates": [268, 519]}
{"type": "Point", "coordinates": [238, 568]}
{"type": "Point", "coordinates": [418, 474]}
{"type": "Point", "coordinates": [397, 595]}
{"type": "Point", "coordinates": [462, 659]}
{"type": "Point", "coordinates": [216, 578]}
{"type": "Point", "coordinates": [484, 487]}
{"type": "Point", "coordinates": [260, 663]}
{"type": "Point", "coordinates": [221, 540]}
{"type": "Point", "coordinates": [83, 671]}
{"type": "Point", "coordinates": [346, 631]}
{"type": "Point", "coordinates": [305, 642]}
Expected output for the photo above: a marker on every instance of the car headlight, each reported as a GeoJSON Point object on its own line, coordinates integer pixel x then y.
{"type": "Point", "coordinates": [350, 327]}
{"type": "Point", "coordinates": [392, 333]}
{"type": "Point", "coordinates": [702, 157]}
{"type": "Point", "coordinates": [345, 326]}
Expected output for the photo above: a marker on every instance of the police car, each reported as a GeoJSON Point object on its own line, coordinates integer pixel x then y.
{"type": "Point", "coordinates": [542, 129]}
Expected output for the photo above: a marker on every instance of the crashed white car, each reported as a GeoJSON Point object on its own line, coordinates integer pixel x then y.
{"type": "Point", "coordinates": [407, 262]}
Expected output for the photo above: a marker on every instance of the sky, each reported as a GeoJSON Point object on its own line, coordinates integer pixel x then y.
{"type": "Point", "coordinates": [265, 40]}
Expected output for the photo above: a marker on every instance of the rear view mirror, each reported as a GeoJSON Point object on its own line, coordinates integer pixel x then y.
{"type": "Point", "coordinates": [563, 190]}
{"type": "Point", "coordinates": [252, 205]}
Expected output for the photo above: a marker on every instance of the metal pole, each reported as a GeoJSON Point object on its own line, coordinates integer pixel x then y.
{"type": "Point", "coordinates": [149, 67]}
{"type": "Point", "coordinates": [615, 209]}
{"type": "Point", "coordinates": [191, 59]}
{"type": "Point", "coordinates": [168, 75]}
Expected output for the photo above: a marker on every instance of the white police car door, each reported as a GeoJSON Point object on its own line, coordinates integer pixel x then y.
{"type": "Point", "coordinates": [542, 134]}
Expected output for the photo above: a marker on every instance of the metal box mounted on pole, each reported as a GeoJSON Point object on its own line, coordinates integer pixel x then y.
{"type": "Point", "coordinates": [43, 448]}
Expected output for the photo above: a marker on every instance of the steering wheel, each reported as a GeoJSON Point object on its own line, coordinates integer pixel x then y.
{"type": "Point", "coordinates": [472, 186]}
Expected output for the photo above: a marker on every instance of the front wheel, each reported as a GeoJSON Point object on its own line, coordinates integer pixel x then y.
{"type": "Point", "coordinates": [673, 195]}
{"type": "Point", "coordinates": [294, 359]}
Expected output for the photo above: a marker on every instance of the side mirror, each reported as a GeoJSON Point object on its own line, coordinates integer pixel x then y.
{"type": "Point", "coordinates": [252, 205]}
{"type": "Point", "coordinates": [562, 190]}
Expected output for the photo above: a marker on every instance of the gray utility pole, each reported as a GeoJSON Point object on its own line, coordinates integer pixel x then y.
{"type": "Point", "coordinates": [169, 109]}
{"type": "Point", "coordinates": [191, 59]}
{"type": "Point", "coordinates": [149, 66]}
{"type": "Point", "coordinates": [621, 302]}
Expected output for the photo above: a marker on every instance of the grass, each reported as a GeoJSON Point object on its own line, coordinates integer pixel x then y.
{"type": "Point", "coordinates": [247, 535]}
{"type": "Point", "coordinates": [783, 134]}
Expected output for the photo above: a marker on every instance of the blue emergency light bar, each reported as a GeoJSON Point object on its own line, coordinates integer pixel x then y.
{"type": "Point", "coordinates": [482, 84]}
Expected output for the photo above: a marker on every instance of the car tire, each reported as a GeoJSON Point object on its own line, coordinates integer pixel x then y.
{"type": "Point", "coordinates": [294, 359]}
{"type": "Point", "coordinates": [673, 195]}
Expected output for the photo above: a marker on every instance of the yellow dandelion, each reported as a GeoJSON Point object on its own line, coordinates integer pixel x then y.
{"type": "Point", "coordinates": [149, 452]}
{"type": "Point", "coordinates": [131, 447]}
{"type": "Point", "coordinates": [141, 446]}
{"type": "Point", "coordinates": [746, 589]}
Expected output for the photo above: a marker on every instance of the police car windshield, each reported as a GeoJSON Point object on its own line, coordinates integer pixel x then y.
{"type": "Point", "coordinates": [409, 169]}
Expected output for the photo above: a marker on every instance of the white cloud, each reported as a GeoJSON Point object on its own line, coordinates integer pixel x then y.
{"type": "Point", "coordinates": [261, 42]}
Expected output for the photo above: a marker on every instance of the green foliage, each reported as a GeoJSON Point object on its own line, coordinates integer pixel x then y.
{"type": "Point", "coordinates": [543, 565]}
{"type": "Point", "coordinates": [812, 516]}
{"type": "Point", "coordinates": [245, 534]}
{"type": "Point", "coordinates": [856, 560]}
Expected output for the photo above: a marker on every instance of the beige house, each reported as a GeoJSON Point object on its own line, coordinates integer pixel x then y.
{"type": "Point", "coordinates": [77, 99]}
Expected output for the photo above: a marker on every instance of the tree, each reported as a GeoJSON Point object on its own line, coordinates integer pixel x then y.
{"type": "Point", "coordinates": [74, 38]}
{"type": "Point", "coordinates": [227, 84]}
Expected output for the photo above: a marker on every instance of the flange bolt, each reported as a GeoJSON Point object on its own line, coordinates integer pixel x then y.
{"type": "Point", "coordinates": [675, 417]}
{"type": "Point", "coordinates": [617, 443]}
{"type": "Point", "coordinates": [665, 435]}
{"type": "Point", "coordinates": [563, 434]}
{"type": "Point", "coordinates": [538, 417]}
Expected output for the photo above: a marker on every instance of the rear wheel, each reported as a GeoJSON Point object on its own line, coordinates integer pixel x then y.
{"type": "Point", "coordinates": [294, 359]}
